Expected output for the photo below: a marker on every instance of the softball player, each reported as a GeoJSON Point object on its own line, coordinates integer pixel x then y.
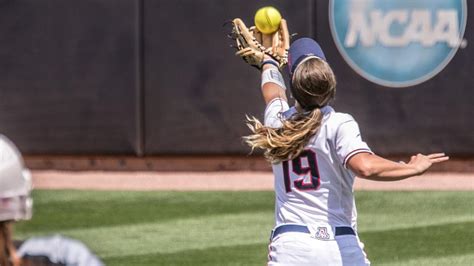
{"type": "Point", "coordinates": [315, 154]}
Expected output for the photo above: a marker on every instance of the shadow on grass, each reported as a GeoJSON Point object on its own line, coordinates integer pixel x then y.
{"type": "Point", "coordinates": [430, 241]}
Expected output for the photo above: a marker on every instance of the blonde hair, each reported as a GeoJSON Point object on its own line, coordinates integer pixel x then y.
{"type": "Point", "coordinates": [313, 86]}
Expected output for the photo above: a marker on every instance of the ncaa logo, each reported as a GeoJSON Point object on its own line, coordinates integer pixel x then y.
{"type": "Point", "coordinates": [398, 43]}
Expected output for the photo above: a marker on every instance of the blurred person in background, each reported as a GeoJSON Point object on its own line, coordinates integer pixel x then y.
{"type": "Point", "coordinates": [15, 205]}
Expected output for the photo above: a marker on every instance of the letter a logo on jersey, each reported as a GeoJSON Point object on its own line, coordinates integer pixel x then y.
{"type": "Point", "coordinates": [322, 233]}
{"type": "Point", "coordinates": [398, 43]}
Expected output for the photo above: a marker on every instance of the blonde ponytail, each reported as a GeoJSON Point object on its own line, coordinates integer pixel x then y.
{"type": "Point", "coordinates": [287, 142]}
{"type": "Point", "coordinates": [313, 86]}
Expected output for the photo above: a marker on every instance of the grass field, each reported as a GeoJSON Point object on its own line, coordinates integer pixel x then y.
{"type": "Point", "coordinates": [232, 228]}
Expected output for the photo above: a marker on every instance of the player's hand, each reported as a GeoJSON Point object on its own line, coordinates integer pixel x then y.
{"type": "Point", "coordinates": [421, 162]}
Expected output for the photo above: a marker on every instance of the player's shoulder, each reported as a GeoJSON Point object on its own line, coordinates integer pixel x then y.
{"type": "Point", "coordinates": [336, 121]}
{"type": "Point", "coordinates": [339, 118]}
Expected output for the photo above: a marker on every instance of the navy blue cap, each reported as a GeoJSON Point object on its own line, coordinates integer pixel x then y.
{"type": "Point", "coordinates": [301, 49]}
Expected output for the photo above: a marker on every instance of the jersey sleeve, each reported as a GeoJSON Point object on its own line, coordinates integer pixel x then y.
{"type": "Point", "coordinates": [349, 141]}
{"type": "Point", "coordinates": [273, 112]}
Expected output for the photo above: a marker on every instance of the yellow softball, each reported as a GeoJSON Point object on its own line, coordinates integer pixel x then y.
{"type": "Point", "coordinates": [267, 19]}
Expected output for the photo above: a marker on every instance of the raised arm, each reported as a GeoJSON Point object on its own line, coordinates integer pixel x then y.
{"type": "Point", "coordinates": [273, 84]}
{"type": "Point", "coordinates": [373, 167]}
{"type": "Point", "coordinates": [266, 52]}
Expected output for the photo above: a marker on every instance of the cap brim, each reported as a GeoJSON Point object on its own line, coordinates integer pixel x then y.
{"type": "Point", "coordinates": [301, 49]}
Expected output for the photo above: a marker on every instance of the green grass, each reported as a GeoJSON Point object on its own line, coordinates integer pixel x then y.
{"type": "Point", "coordinates": [232, 228]}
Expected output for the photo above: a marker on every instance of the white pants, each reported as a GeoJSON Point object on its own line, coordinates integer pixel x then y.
{"type": "Point", "coordinates": [295, 248]}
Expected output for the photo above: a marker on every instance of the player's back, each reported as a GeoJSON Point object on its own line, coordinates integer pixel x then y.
{"type": "Point", "coordinates": [315, 187]}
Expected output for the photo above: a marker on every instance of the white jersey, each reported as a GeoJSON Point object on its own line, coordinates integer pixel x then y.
{"type": "Point", "coordinates": [316, 187]}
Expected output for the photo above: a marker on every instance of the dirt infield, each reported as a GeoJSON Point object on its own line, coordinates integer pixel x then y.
{"type": "Point", "coordinates": [209, 173]}
{"type": "Point", "coordinates": [233, 180]}
{"type": "Point", "coordinates": [196, 163]}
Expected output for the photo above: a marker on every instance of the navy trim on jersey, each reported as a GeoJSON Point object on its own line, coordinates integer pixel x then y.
{"type": "Point", "coordinates": [354, 152]}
